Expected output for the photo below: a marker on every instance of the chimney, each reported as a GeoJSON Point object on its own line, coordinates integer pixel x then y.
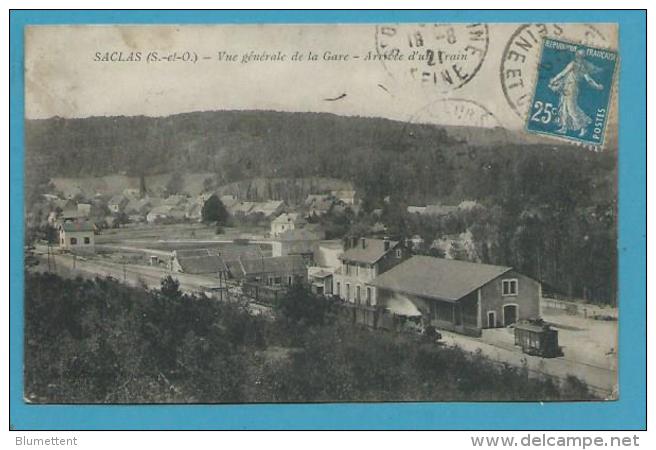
{"type": "Point", "coordinates": [386, 243]}
{"type": "Point", "coordinates": [364, 242]}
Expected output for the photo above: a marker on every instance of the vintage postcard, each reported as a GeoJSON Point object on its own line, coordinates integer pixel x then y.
{"type": "Point", "coordinates": [321, 213]}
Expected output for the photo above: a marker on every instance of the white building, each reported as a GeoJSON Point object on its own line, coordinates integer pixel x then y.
{"type": "Point", "coordinates": [77, 237]}
{"type": "Point", "coordinates": [285, 222]}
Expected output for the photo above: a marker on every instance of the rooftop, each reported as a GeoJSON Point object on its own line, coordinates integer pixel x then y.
{"type": "Point", "coordinates": [371, 252]}
{"type": "Point", "coordinates": [271, 265]}
{"type": "Point", "coordinates": [77, 226]}
{"type": "Point", "coordinates": [442, 279]}
{"type": "Point", "coordinates": [201, 263]}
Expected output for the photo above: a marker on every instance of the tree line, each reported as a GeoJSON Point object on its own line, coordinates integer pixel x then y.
{"type": "Point", "coordinates": [99, 341]}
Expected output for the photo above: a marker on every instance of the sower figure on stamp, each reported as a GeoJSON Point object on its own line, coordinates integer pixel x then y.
{"type": "Point", "coordinates": [566, 83]}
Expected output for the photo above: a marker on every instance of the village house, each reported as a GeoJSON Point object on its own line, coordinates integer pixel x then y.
{"type": "Point", "coordinates": [318, 204]}
{"type": "Point", "coordinates": [416, 241]}
{"type": "Point", "coordinates": [301, 242]}
{"type": "Point", "coordinates": [132, 193]}
{"type": "Point", "coordinates": [175, 200]}
{"type": "Point", "coordinates": [363, 261]}
{"type": "Point", "coordinates": [326, 263]}
{"type": "Point", "coordinates": [346, 196]}
{"type": "Point", "coordinates": [164, 213]}
{"type": "Point", "coordinates": [457, 246]}
{"type": "Point", "coordinates": [268, 209]}
{"type": "Point", "coordinates": [116, 203]}
{"type": "Point", "coordinates": [459, 296]}
{"type": "Point", "coordinates": [77, 237]}
{"type": "Point", "coordinates": [321, 280]}
{"type": "Point", "coordinates": [270, 271]}
{"type": "Point", "coordinates": [286, 222]}
{"type": "Point", "coordinates": [241, 208]}
{"type": "Point", "coordinates": [194, 210]}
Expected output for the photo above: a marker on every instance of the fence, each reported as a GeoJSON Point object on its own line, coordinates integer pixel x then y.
{"type": "Point", "coordinates": [585, 310]}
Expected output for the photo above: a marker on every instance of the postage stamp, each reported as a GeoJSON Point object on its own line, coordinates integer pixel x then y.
{"type": "Point", "coordinates": [522, 51]}
{"type": "Point", "coordinates": [572, 91]}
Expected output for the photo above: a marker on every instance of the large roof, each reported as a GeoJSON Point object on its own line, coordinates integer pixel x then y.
{"type": "Point", "coordinates": [73, 227]}
{"type": "Point", "coordinates": [234, 252]}
{"type": "Point", "coordinates": [200, 263]}
{"type": "Point", "coordinates": [442, 279]}
{"type": "Point", "coordinates": [280, 264]}
{"type": "Point", "coordinates": [373, 250]}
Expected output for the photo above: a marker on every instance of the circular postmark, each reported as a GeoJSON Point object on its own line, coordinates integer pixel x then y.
{"type": "Point", "coordinates": [520, 58]}
{"type": "Point", "coordinates": [441, 56]}
{"type": "Point", "coordinates": [444, 119]}
{"type": "Point", "coordinates": [456, 112]}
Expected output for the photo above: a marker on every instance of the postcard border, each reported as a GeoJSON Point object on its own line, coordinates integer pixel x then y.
{"type": "Point", "coordinates": [627, 413]}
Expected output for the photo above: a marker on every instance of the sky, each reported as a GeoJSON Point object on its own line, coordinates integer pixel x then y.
{"type": "Point", "coordinates": [65, 74]}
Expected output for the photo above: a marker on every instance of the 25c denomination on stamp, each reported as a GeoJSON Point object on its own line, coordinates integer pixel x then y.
{"type": "Point", "coordinates": [572, 91]}
{"type": "Point", "coordinates": [520, 57]}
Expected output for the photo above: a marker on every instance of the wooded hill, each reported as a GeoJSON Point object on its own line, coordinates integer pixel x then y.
{"type": "Point", "coordinates": [380, 156]}
{"type": "Point", "coordinates": [550, 206]}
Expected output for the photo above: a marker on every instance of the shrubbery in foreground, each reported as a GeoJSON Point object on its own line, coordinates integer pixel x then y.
{"type": "Point", "coordinates": [100, 341]}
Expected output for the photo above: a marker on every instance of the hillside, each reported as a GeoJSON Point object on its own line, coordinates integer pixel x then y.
{"type": "Point", "coordinates": [379, 156]}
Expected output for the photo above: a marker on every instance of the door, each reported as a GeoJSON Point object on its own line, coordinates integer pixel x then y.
{"type": "Point", "coordinates": [509, 314]}
{"type": "Point", "coordinates": [491, 319]}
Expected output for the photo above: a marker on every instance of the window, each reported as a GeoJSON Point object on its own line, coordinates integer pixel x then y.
{"type": "Point", "coordinates": [368, 296]}
{"type": "Point", "coordinates": [73, 241]}
{"type": "Point", "coordinates": [357, 270]}
{"type": "Point", "coordinates": [87, 240]}
{"type": "Point", "coordinates": [509, 287]}
{"type": "Point", "coordinates": [357, 295]}
{"type": "Point", "coordinates": [339, 291]}
{"type": "Point", "coordinates": [348, 291]}
{"type": "Point", "coordinates": [289, 281]}
{"type": "Point", "coordinates": [399, 253]}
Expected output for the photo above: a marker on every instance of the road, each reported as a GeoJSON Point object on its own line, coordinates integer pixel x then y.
{"type": "Point", "coordinates": [601, 380]}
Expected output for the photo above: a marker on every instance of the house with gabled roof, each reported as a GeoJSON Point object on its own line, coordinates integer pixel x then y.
{"type": "Point", "coordinates": [302, 242]}
{"type": "Point", "coordinates": [241, 208]}
{"type": "Point", "coordinates": [270, 271]}
{"type": "Point", "coordinates": [318, 204]}
{"type": "Point", "coordinates": [116, 203]}
{"type": "Point", "coordinates": [268, 209]}
{"type": "Point", "coordinates": [77, 236]}
{"type": "Point", "coordinates": [458, 295]}
{"type": "Point", "coordinates": [363, 260]}
{"type": "Point", "coordinates": [285, 222]}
